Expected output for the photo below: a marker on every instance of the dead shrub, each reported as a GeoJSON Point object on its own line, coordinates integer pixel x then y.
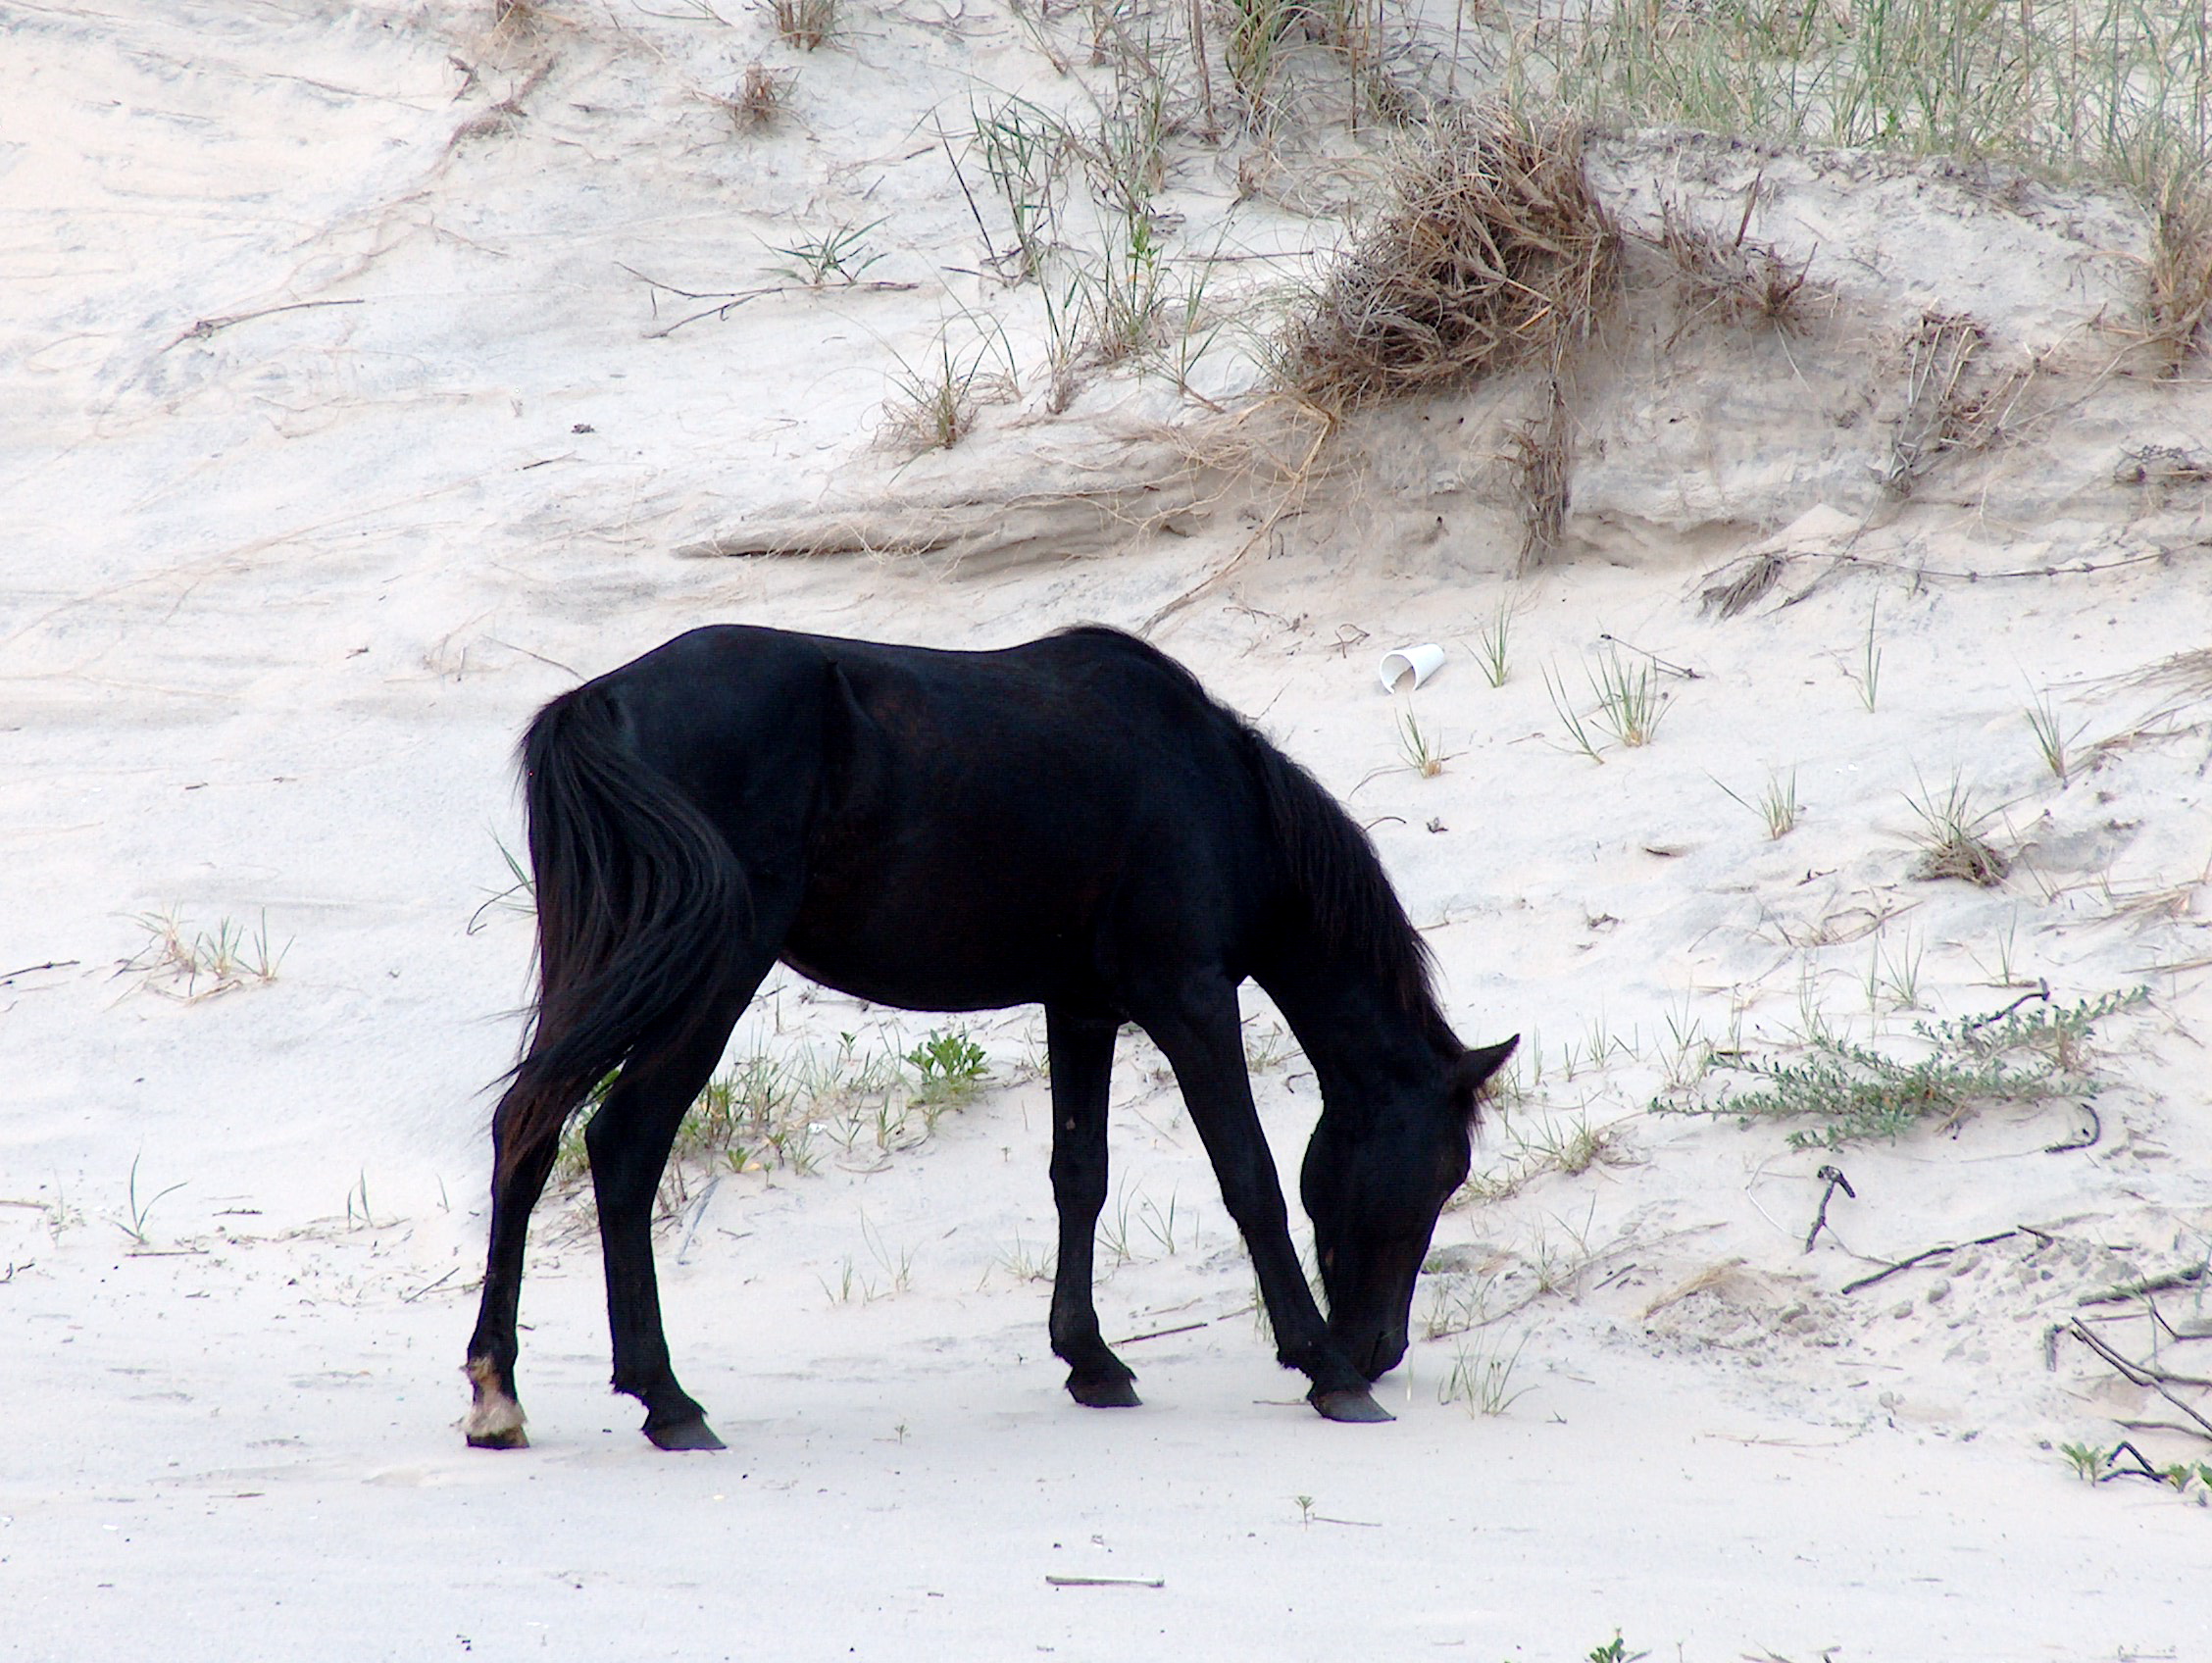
{"type": "Point", "coordinates": [760, 95]}
{"type": "Point", "coordinates": [2181, 275]}
{"type": "Point", "coordinates": [1542, 459]}
{"type": "Point", "coordinates": [1490, 249]}
{"type": "Point", "coordinates": [1740, 281]}
{"type": "Point", "coordinates": [1954, 399]}
{"type": "Point", "coordinates": [804, 22]}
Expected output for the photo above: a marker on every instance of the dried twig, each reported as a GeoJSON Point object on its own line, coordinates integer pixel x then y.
{"type": "Point", "coordinates": [2151, 1285]}
{"type": "Point", "coordinates": [206, 326]}
{"type": "Point", "coordinates": [2140, 1373]}
{"type": "Point", "coordinates": [1835, 1178]}
{"type": "Point", "coordinates": [1887, 1271]}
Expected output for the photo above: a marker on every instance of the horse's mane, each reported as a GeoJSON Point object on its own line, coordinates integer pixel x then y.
{"type": "Point", "coordinates": [1333, 869]}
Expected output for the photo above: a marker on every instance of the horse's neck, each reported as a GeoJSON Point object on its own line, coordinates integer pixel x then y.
{"type": "Point", "coordinates": [1359, 1038]}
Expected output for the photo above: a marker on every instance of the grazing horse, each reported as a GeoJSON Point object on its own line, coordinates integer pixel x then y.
{"type": "Point", "coordinates": [1072, 823]}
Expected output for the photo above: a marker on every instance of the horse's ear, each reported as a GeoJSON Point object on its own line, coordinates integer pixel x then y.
{"type": "Point", "coordinates": [1475, 1067]}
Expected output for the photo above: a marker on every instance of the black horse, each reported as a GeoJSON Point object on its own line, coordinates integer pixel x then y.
{"type": "Point", "coordinates": [1072, 823]}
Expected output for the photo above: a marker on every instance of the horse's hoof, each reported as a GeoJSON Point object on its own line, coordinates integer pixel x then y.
{"type": "Point", "coordinates": [510, 1438]}
{"type": "Point", "coordinates": [1115, 1393]}
{"type": "Point", "coordinates": [693, 1433]}
{"type": "Point", "coordinates": [1350, 1405]}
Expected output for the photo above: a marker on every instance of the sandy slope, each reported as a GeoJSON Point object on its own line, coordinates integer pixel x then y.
{"type": "Point", "coordinates": [285, 583]}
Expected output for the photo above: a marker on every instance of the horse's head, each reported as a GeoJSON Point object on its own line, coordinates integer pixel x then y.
{"type": "Point", "coordinates": [1374, 1194]}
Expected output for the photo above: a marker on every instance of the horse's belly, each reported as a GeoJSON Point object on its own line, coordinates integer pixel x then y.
{"type": "Point", "coordinates": [940, 969]}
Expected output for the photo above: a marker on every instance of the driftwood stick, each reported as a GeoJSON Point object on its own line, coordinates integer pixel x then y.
{"type": "Point", "coordinates": [2136, 1374]}
{"type": "Point", "coordinates": [1835, 1178]}
{"type": "Point", "coordinates": [1106, 1582]}
{"type": "Point", "coordinates": [1938, 1253]}
{"type": "Point", "coordinates": [2127, 1290]}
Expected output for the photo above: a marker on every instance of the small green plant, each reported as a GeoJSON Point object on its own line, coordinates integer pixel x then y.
{"type": "Point", "coordinates": [2052, 741]}
{"type": "Point", "coordinates": [1304, 1504]}
{"type": "Point", "coordinates": [1951, 837]}
{"type": "Point", "coordinates": [2087, 1459]}
{"type": "Point", "coordinates": [1630, 701]}
{"type": "Point", "coordinates": [137, 1228]}
{"type": "Point", "coordinates": [1869, 677]}
{"type": "Point", "coordinates": [1569, 1148]}
{"type": "Point", "coordinates": [1490, 642]}
{"type": "Point", "coordinates": [1578, 732]}
{"type": "Point", "coordinates": [192, 965]}
{"type": "Point", "coordinates": [1414, 745]}
{"type": "Point", "coordinates": [1265, 1049]}
{"type": "Point", "coordinates": [357, 1204]}
{"type": "Point", "coordinates": [1129, 290]}
{"type": "Point", "coordinates": [1629, 704]}
{"type": "Point", "coordinates": [1894, 976]}
{"type": "Point", "coordinates": [2020, 1056]}
{"type": "Point", "coordinates": [1024, 1263]}
{"type": "Point", "coordinates": [840, 253]}
{"type": "Point", "coordinates": [1777, 807]}
{"type": "Point", "coordinates": [1456, 1305]}
{"type": "Point", "coordinates": [1481, 1376]}
{"type": "Point", "coordinates": [1615, 1650]}
{"type": "Point", "coordinates": [1159, 1223]}
{"type": "Point", "coordinates": [520, 896]}
{"type": "Point", "coordinates": [950, 1066]}
{"type": "Point", "coordinates": [805, 24]}
{"type": "Point", "coordinates": [934, 405]}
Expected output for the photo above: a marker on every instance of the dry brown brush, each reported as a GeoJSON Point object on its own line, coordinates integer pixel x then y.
{"type": "Point", "coordinates": [1736, 281]}
{"type": "Point", "coordinates": [1491, 249]}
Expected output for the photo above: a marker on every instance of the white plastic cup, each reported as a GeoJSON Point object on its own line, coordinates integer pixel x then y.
{"type": "Point", "coordinates": [1419, 661]}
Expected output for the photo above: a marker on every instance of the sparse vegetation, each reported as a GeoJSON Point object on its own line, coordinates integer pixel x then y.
{"type": "Point", "coordinates": [2114, 89]}
{"type": "Point", "coordinates": [933, 404]}
{"type": "Point", "coordinates": [193, 964]}
{"type": "Point", "coordinates": [760, 96]}
{"type": "Point", "coordinates": [1777, 807]}
{"type": "Point", "coordinates": [1418, 748]}
{"type": "Point", "coordinates": [778, 1109]}
{"type": "Point", "coordinates": [1856, 1092]}
{"type": "Point", "coordinates": [1629, 700]}
{"type": "Point", "coordinates": [839, 253]}
{"type": "Point", "coordinates": [1869, 677]}
{"type": "Point", "coordinates": [1481, 1376]}
{"type": "Point", "coordinates": [949, 1068]}
{"type": "Point", "coordinates": [805, 24]}
{"type": "Point", "coordinates": [1951, 837]}
{"type": "Point", "coordinates": [137, 1228]}
{"type": "Point", "coordinates": [2052, 741]}
{"type": "Point", "coordinates": [1737, 280]}
{"type": "Point", "coordinates": [1491, 644]}
{"type": "Point", "coordinates": [1569, 1148]}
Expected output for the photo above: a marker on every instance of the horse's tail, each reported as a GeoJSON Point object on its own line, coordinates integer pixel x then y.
{"type": "Point", "coordinates": [641, 906]}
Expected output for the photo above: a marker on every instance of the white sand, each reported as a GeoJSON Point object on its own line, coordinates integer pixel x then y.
{"type": "Point", "coordinates": [280, 592]}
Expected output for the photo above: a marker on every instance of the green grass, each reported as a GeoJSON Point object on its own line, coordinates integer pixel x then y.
{"type": "Point", "coordinates": [2117, 87]}
{"type": "Point", "coordinates": [1854, 1092]}
{"type": "Point", "coordinates": [782, 1109]}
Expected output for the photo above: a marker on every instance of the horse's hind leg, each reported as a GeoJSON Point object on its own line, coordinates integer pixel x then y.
{"type": "Point", "coordinates": [1198, 1028]}
{"type": "Point", "coordinates": [496, 1417]}
{"type": "Point", "coordinates": [1083, 1062]}
{"type": "Point", "coordinates": [628, 1140]}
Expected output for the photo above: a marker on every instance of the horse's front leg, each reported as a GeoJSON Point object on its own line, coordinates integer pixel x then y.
{"type": "Point", "coordinates": [1198, 1028]}
{"type": "Point", "coordinates": [1083, 1061]}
